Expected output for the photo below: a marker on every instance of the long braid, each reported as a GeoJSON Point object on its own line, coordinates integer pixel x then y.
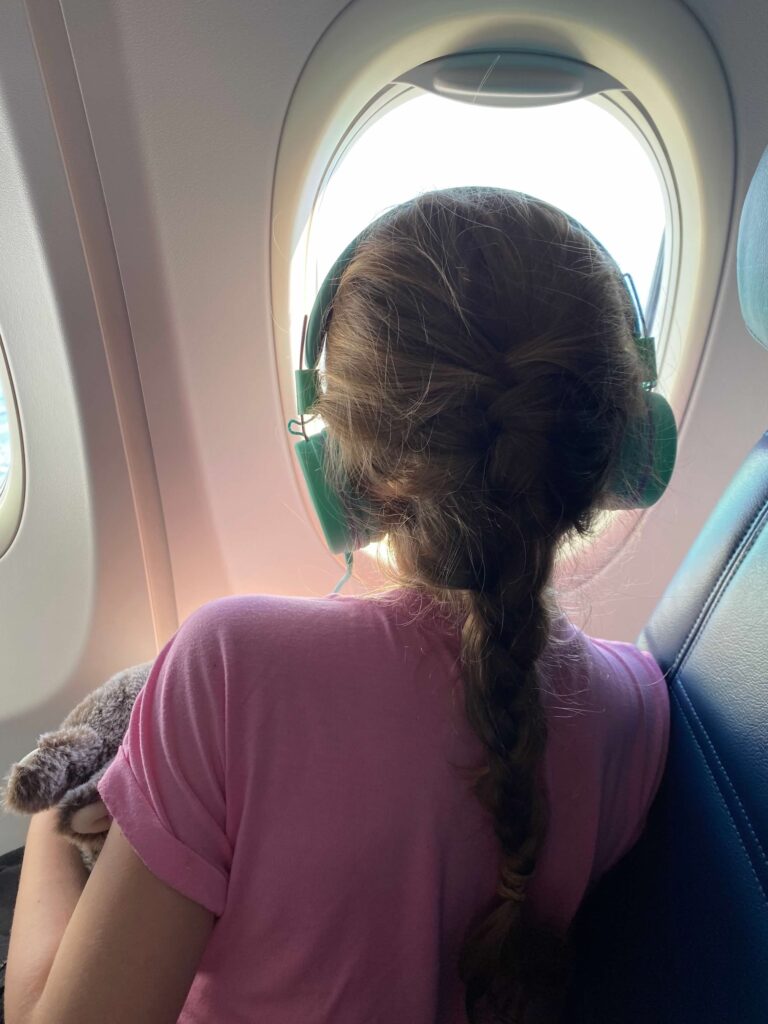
{"type": "Point", "coordinates": [505, 632]}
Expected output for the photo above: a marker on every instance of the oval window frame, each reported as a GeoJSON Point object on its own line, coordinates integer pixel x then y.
{"type": "Point", "coordinates": [13, 489]}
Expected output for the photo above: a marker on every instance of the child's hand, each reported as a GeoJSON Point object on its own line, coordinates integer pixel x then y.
{"type": "Point", "coordinates": [91, 819]}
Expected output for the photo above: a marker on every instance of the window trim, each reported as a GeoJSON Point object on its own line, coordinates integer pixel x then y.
{"type": "Point", "coordinates": [12, 492]}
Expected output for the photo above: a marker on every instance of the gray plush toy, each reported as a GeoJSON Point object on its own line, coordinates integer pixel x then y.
{"type": "Point", "coordinates": [64, 768]}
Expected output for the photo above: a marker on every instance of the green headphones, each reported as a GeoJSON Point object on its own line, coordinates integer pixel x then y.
{"type": "Point", "coordinates": [641, 476]}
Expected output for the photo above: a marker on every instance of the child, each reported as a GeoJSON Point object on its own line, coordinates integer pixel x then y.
{"type": "Point", "coordinates": [481, 374]}
{"type": "Point", "coordinates": [300, 767]}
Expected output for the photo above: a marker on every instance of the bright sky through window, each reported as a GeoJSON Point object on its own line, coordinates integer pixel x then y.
{"type": "Point", "coordinates": [577, 156]}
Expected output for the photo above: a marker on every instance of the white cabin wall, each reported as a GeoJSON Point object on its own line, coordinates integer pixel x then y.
{"type": "Point", "coordinates": [73, 589]}
{"type": "Point", "coordinates": [185, 104]}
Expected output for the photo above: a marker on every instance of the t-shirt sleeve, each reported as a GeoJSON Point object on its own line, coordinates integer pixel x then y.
{"type": "Point", "coordinates": [166, 785]}
{"type": "Point", "coordinates": [636, 740]}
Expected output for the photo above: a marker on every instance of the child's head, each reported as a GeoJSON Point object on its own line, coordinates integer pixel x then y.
{"type": "Point", "coordinates": [480, 376]}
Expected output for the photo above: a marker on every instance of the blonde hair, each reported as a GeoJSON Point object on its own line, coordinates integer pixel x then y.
{"type": "Point", "coordinates": [480, 376]}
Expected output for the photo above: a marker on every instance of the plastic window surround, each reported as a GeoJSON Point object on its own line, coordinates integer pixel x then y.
{"type": "Point", "coordinates": [627, 109]}
{"type": "Point", "coordinates": [12, 490]}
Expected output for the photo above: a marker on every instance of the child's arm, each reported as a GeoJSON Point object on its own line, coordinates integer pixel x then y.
{"type": "Point", "coordinates": [128, 950]}
{"type": "Point", "coordinates": [52, 878]}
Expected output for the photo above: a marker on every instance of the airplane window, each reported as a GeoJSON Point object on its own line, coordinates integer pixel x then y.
{"type": "Point", "coordinates": [5, 442]}
{"type": "Point", "coordinates": [11, 462]}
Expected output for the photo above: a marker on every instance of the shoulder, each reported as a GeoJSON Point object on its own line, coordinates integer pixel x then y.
{"type": "Point", "coordinates": [250, 631]}
{"type": "Point", "coordinates": [630, 681]}
{"type": "Point", "coordinates": [232, 656]}
{"type": "Point", "coordinates": [249, 618]}
{"type": "Point", "coordinates": [606, 660]}
{"type": "Point", "coordinates": [611, 677]}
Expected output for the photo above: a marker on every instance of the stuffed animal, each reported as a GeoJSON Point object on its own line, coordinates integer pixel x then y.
{"type": "Point", "coordinates": [64, 768]}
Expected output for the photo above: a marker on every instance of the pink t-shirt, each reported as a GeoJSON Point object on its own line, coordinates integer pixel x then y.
{"type": "Point", "coordinates": [288, 766]}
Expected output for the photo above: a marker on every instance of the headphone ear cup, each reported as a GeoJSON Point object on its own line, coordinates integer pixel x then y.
{"type": "Point", "coordinates": [647, 457]}
{"type": "Point", "coordinates": [341, 517]}
{"type": "Point", "coordinates": [326, 500]}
